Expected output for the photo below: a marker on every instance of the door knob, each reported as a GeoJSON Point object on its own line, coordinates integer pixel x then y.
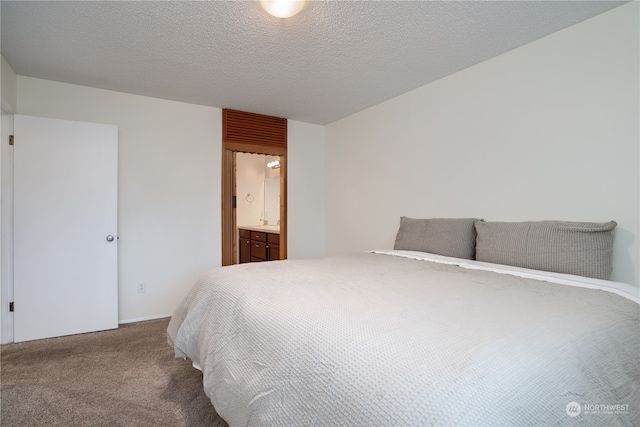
{"type": "Point", "coordinates": [109, 238]}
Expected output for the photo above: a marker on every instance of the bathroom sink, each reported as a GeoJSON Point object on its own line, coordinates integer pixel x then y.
{"type": "Point", "coordinates": [266, 228]}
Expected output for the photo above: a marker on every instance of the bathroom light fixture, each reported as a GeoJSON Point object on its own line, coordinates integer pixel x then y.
{"type": "Point", "coordinates": [283, 8]}
{"type": "Point", "coordinates": [273, 165]}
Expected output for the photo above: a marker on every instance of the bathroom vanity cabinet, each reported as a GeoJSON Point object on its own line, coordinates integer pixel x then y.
{"type": "Point", "coordinates": [258, 246]}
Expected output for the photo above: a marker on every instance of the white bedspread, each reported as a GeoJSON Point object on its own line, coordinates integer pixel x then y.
{"type": "Point", "coordinates": [372, 339]}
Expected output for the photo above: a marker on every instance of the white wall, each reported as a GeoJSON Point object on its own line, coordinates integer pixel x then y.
{"type": "Point", "coordinates": [547, 131]}
{"type": "Point", "coordinates": [305, 190]}
{"type": "Point", "coordinates": [168, 189]}
{"type": "Point", "coordinates": [8, 87]}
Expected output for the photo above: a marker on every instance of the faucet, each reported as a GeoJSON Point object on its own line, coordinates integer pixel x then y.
{"type": "Point", "coordinates": [264, 221]}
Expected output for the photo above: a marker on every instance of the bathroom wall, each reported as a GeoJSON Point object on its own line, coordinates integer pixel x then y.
{"type": "Point", "coordinates": [249, 188]}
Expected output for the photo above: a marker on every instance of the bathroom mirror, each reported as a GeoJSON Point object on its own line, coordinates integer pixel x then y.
{"type": "Point", "coordinates": [258, 190]}
{"type": "Point", "coordinates": [272, 190]}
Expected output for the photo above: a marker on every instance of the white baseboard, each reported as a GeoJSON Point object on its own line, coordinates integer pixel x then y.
{"type": "Point", "coordinates": [142, 319]}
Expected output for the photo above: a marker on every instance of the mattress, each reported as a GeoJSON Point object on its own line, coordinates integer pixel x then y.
{"type": "Point", "coordinates": [397, 338]}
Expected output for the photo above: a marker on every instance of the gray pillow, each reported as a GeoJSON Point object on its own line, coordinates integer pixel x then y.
{"type": "Point", "coordinates": [453, 237]}
{"type": "Point", "coordinates": [581, 248]}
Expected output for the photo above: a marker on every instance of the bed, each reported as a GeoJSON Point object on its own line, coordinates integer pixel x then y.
{"type": "Point", "coordinates": [410, 337]}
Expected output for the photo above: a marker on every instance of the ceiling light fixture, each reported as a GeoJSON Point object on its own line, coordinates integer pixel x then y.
{"type": "Point", "coordinates": [283, 8]}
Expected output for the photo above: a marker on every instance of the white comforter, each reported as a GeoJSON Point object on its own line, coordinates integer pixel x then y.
{"type": "Point", "coordinates": [373, 339]}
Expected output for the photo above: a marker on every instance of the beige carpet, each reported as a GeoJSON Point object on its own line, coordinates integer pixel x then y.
{"type": "Point", "coordinates": [125, 377]}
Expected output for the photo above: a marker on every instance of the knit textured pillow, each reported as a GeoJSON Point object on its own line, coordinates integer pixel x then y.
{"type": "Point", "coordinates": [454, 237]}
{"type": "Point", "coordinates": [580, 248]}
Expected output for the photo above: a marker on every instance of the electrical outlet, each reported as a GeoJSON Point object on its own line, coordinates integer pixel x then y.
{"type": "Point", "coordinates": [142, 287]}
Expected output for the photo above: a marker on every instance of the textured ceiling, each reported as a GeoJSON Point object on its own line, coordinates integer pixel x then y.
{"type": "Point", "coordinates": [333, 59]}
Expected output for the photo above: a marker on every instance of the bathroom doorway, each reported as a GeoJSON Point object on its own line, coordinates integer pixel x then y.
{"type": "Point", "coordinates": [257, 207]}
{"type": "Point", "coordinates": [255, 134]}
{"type": "Point", "coordinates": [254, 200]}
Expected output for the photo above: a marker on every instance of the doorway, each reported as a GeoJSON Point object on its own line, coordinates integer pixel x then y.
{"type": "Point", "coordinates": [267, 209]}
{"type": "Point", "coordinates": [244, 132]}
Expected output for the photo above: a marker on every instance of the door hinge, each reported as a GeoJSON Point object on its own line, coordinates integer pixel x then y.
{"type": "Point", "coordinates": [10, 139]}
{"type": "Point", "coordinates": [234, 202]}
{"type": "Point", "coordinates": [11, 306]}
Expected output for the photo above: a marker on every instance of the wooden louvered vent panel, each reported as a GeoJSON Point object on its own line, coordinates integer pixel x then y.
{"type": "Point", "coordinates": [251, 128]}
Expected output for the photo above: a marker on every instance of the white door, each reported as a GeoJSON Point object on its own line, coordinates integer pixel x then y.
{"type": "Point", "coordinates": [65, 227]}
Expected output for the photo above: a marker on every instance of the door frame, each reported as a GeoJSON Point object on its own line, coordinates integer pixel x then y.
{"type": "Point", "coordinates": [229, 225]}
{"type": "Point", "coordinates": [6, 224]}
